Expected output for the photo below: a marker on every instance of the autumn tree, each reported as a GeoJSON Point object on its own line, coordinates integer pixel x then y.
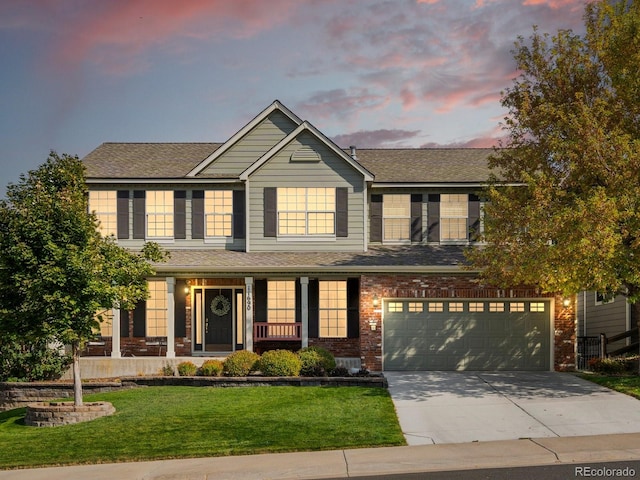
{"type": "Point", "coordinates": [563, 209]}
{"type": "Point", "coordinates": [56, 270]}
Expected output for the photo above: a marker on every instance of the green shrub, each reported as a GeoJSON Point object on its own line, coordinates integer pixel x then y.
{"type": "Point", "coordinates": [316, 361]}
{"type": "Point", "coordinates": [30, 361]}
{"type": "Point", "coordinates": [167, 370]}
{"type": "Point", "coordinates": [340, 372]}
{"type": "Point", "coordinates": [241, 363]}
{"type": "Point", "coordinates": [280, 363]}
{"type": "Point", "coordinates": [211, 368]}
{"type": "Point", "coordinates": [187, 369]}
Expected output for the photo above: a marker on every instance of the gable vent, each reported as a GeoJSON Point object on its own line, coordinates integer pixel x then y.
{"type": "Point", "coordinates": [305, 154]}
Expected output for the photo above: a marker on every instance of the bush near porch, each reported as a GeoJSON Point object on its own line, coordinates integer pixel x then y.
{"type": "Point", "coordinates": [182, 422]}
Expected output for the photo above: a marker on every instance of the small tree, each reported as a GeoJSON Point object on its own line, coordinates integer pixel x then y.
{"type": "Point", "coordinates": [573, 223]}
{"type": "Point", "coordinates": [56, 270]}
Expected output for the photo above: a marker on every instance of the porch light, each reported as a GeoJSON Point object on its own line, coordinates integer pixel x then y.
{"type": "Point", "coordinates": [186, 290]}
{"type": "Point", "coordinates": [375, 302]}
{"type": "Point", "coordinates": [566, 302]}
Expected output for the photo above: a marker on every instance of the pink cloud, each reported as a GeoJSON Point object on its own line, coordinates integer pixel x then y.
{"type": "Point", "coordinates": [340, 103]}
{"type": "Point", "coordinates": [117, 34]}
{"type": "Point", "coordinates": [556, 4]}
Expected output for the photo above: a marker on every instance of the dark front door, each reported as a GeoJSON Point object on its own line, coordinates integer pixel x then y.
{"type": "Point", "coordinates": [218, 332]}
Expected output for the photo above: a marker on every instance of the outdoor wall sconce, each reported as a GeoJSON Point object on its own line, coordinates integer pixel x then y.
{"type": "Point", "coordinates": [186, 290]}
{"type": "Point", "coordinates": [375, 303]}
{"type": "Point", "coordinates": [566, 302]}
{"type": "Point", "coordinates": [373, 324]}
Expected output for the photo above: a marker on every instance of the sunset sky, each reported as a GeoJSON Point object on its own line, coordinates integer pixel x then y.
{"type": "Point", "coordinates": [371, 73]}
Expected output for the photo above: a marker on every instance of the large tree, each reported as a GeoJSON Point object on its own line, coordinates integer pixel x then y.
{"type": "Point", "coordinates": [563, 210]}
{"type": "Point", "coordinates": [56, 270]}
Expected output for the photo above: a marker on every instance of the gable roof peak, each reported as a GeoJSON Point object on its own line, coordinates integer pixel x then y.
{"type": "Point", "coordinates": [275, 105]}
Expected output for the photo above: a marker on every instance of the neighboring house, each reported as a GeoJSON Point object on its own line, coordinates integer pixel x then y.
{"type": "Point", "coordinates": [280, 239]}
{"type": "Point", "coordinates": [599, 315]}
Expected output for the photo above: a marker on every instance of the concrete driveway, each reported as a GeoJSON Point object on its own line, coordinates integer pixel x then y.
{"type": "Point", "coordinates": [459, 407]}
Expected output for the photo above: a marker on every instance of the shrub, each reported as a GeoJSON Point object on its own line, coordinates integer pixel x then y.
{"type": "Point", "coordinates": [30, 361]}
{"type": "Point", "coordinates": [280, 363]}
{"type": "Point", "coordinates": [187, 369]}
{"type": "Point", "coordinates": [167, 370]}
{"type": "Point", "coordinates": [340, 372]}
{"type": "Point", "coordinates": [609, 366]}
{"type": "Point", "coordinates": [316, 361]}
{"type": "Point", "coordinates": [211, 368]}
{"type": "Point", "coordinates": [241, 363]}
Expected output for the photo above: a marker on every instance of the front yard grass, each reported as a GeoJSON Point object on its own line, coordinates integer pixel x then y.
{"type": "Point", "coordinates": [179, 422]}
{"type": "Point", "coordinates": [625, 384]}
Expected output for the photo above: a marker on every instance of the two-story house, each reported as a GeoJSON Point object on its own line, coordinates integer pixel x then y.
{"type": "Point", "coordinates": [281, 239]}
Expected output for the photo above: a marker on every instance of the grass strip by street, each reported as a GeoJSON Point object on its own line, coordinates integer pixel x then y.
{"type": "Point", "coordinates": [180, 422]}
{"type": "Point", "coordinates": [625, 384]}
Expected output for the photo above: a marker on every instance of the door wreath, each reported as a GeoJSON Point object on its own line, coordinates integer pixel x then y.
{"type": "Point", "coordinates": [220, 305]}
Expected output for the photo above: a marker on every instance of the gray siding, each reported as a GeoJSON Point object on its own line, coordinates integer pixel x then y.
{"type": "Point", "coordinates": [330, 171]}
{"type": "Point", "coordinates": [608, 318]}
{"type": "Point", "coordinates": [252, 146]}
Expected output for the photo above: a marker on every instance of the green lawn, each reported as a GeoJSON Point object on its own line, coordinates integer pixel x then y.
{"type": "Point", "coordinates": [629, 385]}
{"type": "Point", "coordinates": [177, 422]}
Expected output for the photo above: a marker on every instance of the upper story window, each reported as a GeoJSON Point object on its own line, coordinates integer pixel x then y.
{"type": "Point", "coordinates": [396, 212]}
{"type": "Point", "coordinates": [454, 211]}
{"type": "Point", "coordinates": [159, 211]}
{"type": "Point", "coordinates": [218, 213]}
{"type": "Point", "coordinates": [306, 211]}
{"type": "Point", "coordinates": [103, 204]}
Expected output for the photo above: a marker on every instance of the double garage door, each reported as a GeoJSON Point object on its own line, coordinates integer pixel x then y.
{"type": "Point", "coordinates": [479, 334]}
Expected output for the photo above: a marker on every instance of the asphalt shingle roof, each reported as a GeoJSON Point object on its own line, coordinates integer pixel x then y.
{"type": "Point", "coordinates": [426, 257]}
{"type": "Point", "coordinates": [175, 160]}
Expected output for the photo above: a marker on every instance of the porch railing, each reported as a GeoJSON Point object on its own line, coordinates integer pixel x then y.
{"type": "Point", "coordinates": [276, 331]}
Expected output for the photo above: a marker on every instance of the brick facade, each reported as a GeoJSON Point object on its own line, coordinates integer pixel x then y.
{"type": "Point", "coordinates": [368, 347]}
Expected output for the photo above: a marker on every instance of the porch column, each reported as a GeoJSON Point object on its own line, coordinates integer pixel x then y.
{"type": "Point", "coordinates": [248, 317]}
{"type": "Point", "coordinates": [304, 310]}
{"type": "Point", "coordinates": [115, 333]}
{"type": "Point", "coordinates": [171, 317]}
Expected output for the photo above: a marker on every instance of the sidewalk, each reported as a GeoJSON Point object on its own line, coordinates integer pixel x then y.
{"type": "Point", "coordinates": [359, 462]}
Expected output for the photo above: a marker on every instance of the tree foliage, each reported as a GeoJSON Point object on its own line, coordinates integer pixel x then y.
{"type": "Point", "coordinates": [56, 270]}
{"type": "Point", "coordinates": [568, 218]}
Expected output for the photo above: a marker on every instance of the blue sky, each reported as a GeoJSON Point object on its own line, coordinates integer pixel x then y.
{"type": "Point", "coordinates": [374, 73]}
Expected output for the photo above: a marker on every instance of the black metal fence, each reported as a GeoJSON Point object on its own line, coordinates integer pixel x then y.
{"type": "Point", "coordinates": [588, 348]}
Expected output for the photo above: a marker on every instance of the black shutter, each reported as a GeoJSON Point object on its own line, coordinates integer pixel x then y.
{"type": "Point", "coordinates": [260, 304]}
{"type": "Point", "coordinates": [270, 211]}
{"type": "Point", "coordinates": [238, 214]}
{"type": "Point", "coordinates": [197, 214]}
{"type": "Point", "coordinates": [180, 302]}
{"type": "Point", "coordinates": [314, 309]}
{"type": "Point", "coordinates": [353, 307]}
{"type": "Point", "coordinates": [474, 217]}
{"type": "Point", "coordinates": [124, 323]}
{"type": "Point", "coordinates": [434, 218]}
{"type": "Point", "coordinates": [139, 320]}
{"type": "Point", "coordinates": [122, 207]}
{"type": "Point", "coordinates": [298, 290]}
{"type": "Point", "coordinates": [179, 214]}
{"type": "Point", "coordinates": [139, 214]}
{"type": "Point", "coordinates": [342, 212]}
{"type": "Point", "coordinates": [375, 218]}
{"type": "Point", "coordinates": [416, 217]}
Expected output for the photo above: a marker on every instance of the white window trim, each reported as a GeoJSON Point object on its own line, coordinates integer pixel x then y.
{"type": "Point", "coordinates": [385, 217]}
{"type": "Point", "coordinates": [454, 241]}
{"type": "Point", "coordinates": [306, 236]}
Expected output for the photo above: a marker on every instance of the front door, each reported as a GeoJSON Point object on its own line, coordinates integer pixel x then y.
{"type": "Point", "coordinates": [218, 319]}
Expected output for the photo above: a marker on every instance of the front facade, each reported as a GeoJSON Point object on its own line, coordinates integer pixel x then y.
{"type": "Point", "coordinates": [280, 239]}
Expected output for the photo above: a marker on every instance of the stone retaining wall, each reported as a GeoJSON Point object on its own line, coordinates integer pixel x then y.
{"type": "Point", "coordinates": [54, 414]}
{"type": "Point", "coordinates": [18, 394]}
